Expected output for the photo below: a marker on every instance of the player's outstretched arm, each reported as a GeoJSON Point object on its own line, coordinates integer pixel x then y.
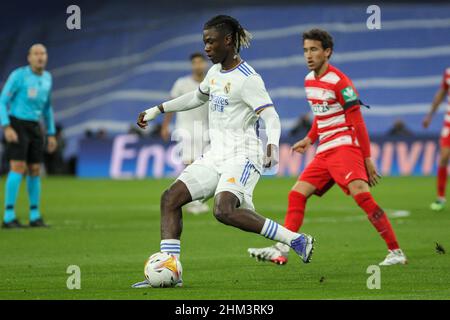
{"type": "Point", "coordinates": [438, 98]}
{"type": "Point", "coordinates": [273, 131]}
{"type": "Point", "coordinates": [188, 101]}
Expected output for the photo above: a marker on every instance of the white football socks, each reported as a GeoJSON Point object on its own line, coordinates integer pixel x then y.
{"type": "Point", "coordinates": [277, 232]}
{"type": "Point", "coordinates": [171, 246]}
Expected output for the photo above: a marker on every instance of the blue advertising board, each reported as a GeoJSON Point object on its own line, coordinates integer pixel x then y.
{"type": "Point", "coordinates": [129, 156]}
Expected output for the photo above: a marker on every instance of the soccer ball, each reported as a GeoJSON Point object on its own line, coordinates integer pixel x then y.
{"type": "Point", "coordinates": [163, 270]}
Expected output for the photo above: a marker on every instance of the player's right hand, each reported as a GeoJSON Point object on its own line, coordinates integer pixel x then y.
{"type": "Point", "coordinates": [11, 135]}
{"type": "Point", "coordinates": [140, 121]}
{"type": "Point", "coordinates": [302, 145]}
{"type": "Point", "coordinates": [147, 115]}
{"type": "Point", "coordinates": [426, 121]}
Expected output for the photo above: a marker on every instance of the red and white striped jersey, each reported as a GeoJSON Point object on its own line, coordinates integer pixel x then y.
{"type": "Point", "coordinates": [446, 86]}
{"type": "Point", "coordinates": [329, 96]}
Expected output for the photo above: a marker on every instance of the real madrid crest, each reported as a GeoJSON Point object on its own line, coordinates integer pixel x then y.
{"type": "Point", "coordinates": [227, 88]}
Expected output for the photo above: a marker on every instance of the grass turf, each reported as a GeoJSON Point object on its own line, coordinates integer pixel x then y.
{"type": "Point", "coordinates": [108, 228]}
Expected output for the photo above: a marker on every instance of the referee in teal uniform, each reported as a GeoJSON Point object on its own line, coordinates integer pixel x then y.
{"type": "Point", "coordinates": [25, 98]}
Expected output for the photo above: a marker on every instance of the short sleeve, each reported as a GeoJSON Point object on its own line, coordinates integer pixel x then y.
{"type": "Point", "coordinates": [254, 93]}
{"type": "Point", "coordinates": [444, 84]}
{"type": "Point", "coordinates": [346, 93]}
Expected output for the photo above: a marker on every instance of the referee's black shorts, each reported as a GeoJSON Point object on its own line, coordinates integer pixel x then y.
{"type": "Point", "coordinates": [30, 147]}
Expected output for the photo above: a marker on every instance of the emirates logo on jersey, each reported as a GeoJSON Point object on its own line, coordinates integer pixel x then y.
{"type": "Point", "coordinates": [318, 108]}
{"type": "Point", "coordinates": [227, 87]}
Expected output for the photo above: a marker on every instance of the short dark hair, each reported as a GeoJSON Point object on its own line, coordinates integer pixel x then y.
{"type": "Point", "coordinates": [320, 35]}
{"type": "Point", "coordinates": [197, 55]}
{"type": "Point", "coordinates": [241, 37]}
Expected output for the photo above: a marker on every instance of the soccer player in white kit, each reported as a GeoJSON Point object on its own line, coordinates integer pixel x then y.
{"type": "Point", "coordinates": [191, 127]}
{"type": "Point", "coordinates": [230, 170]}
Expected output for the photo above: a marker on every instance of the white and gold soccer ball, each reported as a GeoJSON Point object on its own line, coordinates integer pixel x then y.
{"type": "Point", "coordinates": [163, 270]}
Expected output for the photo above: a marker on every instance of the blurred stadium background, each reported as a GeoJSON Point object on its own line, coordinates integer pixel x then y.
{"type": "Point", "coordinates": [127, 56]}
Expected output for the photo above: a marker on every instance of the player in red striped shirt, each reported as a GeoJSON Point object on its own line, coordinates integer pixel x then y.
{"type": "Point", "coordinates": [444, 142]}
{"type": "Point", "coordinates": [343, 153]}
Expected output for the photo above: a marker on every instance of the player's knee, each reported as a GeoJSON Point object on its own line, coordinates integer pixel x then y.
{"type": "Point", "coordinates": [18, 166]}
{"type": "Point", "coordinates": [358, 186]}
{"type": "Point", "coordinates": [222, 212]}
{"type": "Point", "coordinates": [169, 200]}
{"type": "Point", "coordinates": [34, 170]}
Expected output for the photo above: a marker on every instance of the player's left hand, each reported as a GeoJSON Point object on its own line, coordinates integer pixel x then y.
{"type": "Point", "coordinates": [271, 156]}
{"type": "Point", "coordinates": [52, 144]}
{"type": "Point", "coordinates": [372, 173]}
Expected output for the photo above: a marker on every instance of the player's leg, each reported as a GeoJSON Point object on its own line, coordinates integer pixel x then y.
{"type": "Point", "coordinates": [227, 211]}
{"type": "Point", "coordinates": [198, 181]}
{"type": "Point", "coordinates": [439, 204]}
{"type": "Point", "coordinates": [315, 179]}
{"type": "Point", "coordinates": [297, 199]}
{"type": "Point", "coordinates": [347, 167]}
{"type": "Point", "coordinates": [34, 194]}
{"type": "Point", "coordinates": [12, 186]}
{"type": "Point", "coordinates": [17, 154]}
{"type": "Point", "coordinates": [359, 189]}
{"type": "Point", "coordinates": [35, 156]}
{"type": "Point", "coordinates": [233, 206]}
{"type": "Point", "coordinates": [172, 200]}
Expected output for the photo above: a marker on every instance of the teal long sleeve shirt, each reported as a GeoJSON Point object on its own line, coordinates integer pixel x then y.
{"type": "Point", "coordinates": [27, 96]}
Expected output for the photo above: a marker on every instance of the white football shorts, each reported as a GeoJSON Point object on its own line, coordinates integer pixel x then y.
{"type": "Point", "coordinates": [205, 178]}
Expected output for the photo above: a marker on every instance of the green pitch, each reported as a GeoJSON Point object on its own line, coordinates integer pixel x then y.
{"type": "Point", "coordinates": [108, 229]}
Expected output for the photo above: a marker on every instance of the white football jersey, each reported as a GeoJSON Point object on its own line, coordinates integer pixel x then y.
{"type": "Point", "coordinates": [236, 97]}
{"type": "Point", "coordinates": [186, 120]}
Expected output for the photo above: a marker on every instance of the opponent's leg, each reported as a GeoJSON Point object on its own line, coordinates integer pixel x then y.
{"type": "Point", "coordinates": [297, 198]}
{"type": "Point", "coordinates": [226, 211]}
{"type": "Point", "coordinates": [12, 186]}
{"type": "Point", "coordinates": [359, 189]}
{"type": "Point", "coordinates": [439, 204]}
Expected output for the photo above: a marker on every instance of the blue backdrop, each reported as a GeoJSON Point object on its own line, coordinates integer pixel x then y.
{"type": "Point", "coordinates": [127, 56]}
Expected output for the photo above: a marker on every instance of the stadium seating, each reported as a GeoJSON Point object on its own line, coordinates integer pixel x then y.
{"type": "Point", "coordinates": [111, 69]}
